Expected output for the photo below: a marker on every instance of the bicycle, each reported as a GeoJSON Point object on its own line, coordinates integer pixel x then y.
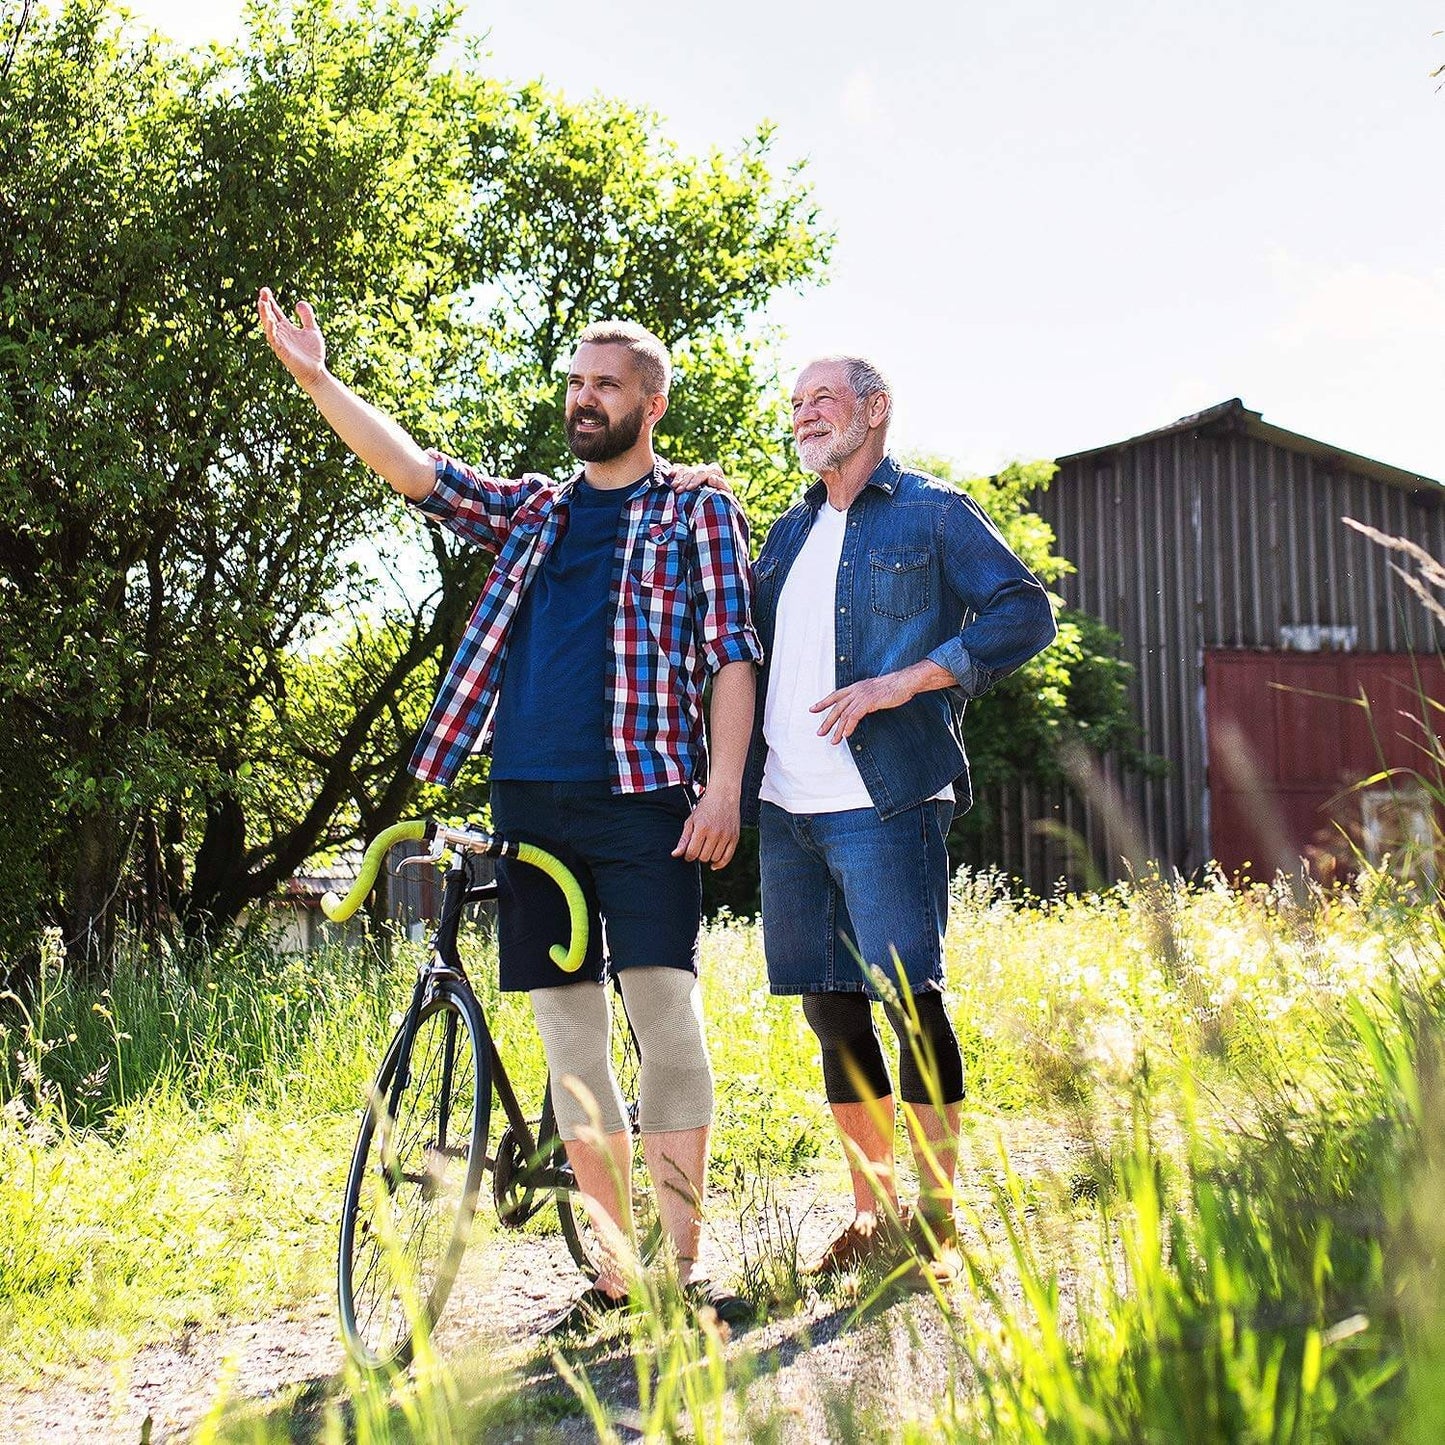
{"type": "Point", "coordinates": [421, 1149]}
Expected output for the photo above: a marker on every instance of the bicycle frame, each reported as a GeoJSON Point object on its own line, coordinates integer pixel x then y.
{"type": "Point", "coordinates": [537, 1149]}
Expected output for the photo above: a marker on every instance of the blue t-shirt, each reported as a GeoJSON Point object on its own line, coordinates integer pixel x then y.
{"type": "Point", "coordinates": [551, 723]}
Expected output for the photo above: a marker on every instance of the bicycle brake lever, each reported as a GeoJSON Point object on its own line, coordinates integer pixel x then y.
{"type": "Point", "coordinates": [433, 854]}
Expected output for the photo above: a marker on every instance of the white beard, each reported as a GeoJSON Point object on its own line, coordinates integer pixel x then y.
{"type": "Point", "coordinates": [826, 453]}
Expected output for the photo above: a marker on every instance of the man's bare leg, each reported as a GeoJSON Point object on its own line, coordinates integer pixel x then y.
{"type": "Point", "coordinates": [677, 1163]}
{"type": "Point", "coordinates": [934, 1135]}
{"type": "Point", "coordinates": [604, 1179]}
{"type": "Point", "coordinates": [866, 1130]}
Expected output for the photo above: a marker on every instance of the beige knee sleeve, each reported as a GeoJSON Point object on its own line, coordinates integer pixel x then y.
{"type": "Point", "coordinates": [664, 1008]}
{"type": "Point", "coordinates": [575, 1022]}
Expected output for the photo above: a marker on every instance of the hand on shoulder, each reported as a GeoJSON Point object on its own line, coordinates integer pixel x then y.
{"type": "Point", "coordinates": [695, 478]}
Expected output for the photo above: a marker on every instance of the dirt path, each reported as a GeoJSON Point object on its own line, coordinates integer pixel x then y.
{"type": "Point", "coordinates": [892, 1364]}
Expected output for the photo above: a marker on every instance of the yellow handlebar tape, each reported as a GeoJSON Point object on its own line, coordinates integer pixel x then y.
{"type": "Point", "coordinates": [338, 910]}
{"type": "Point", "coordinates": [568, 959]}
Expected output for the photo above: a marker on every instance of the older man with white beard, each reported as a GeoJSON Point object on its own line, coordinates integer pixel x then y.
{"type": "Point", "coordinates": [885, 599]}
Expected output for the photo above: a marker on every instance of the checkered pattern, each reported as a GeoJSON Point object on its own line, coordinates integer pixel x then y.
{"type": "Point", "coordinates": [682, 600]}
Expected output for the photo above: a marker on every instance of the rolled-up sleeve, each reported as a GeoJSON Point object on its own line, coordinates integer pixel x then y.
{"type": "Point", "coordinates": [722, 589]}
{"type": "Point", "coordinates": [471, 504]}
{"type": "Point", "coordinates": [1008, 617]}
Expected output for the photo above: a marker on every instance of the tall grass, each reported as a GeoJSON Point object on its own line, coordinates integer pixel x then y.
{"type": "Point", "coordinates": [171, 1150]}
{"type": "Point", "coordinates": [1251, 1250]}
{"type": "Point", "coordinates": [1280, 1282]}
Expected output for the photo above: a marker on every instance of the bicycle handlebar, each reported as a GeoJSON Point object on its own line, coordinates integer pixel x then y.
{"type": "Point", "coordinates": [568, 959]}
{"type": "Point", "coordinates": [338, 909]}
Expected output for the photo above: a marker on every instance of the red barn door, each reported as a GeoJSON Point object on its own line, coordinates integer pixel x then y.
{"type": "Point", "coordinates": [1290, 734]}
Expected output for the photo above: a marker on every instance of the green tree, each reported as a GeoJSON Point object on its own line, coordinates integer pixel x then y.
{"type": "Point", "coordinates": [1074, 693]}
{"type": "Point", "coordinates": [178, 534]}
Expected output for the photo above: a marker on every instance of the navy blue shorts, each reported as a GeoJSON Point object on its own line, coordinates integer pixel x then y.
{"type": "Point", "coordinates": [648, 903]}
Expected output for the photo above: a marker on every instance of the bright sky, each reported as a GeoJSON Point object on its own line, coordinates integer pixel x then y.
{"type": "Point", "coordinates": [1061, 224]}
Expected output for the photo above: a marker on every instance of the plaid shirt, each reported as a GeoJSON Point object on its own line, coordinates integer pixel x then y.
{"type": "Point", "coordinates": [682, 607]}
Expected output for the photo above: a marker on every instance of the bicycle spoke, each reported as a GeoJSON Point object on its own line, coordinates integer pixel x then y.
{"type": "Point", "coordinates": [414, 1191]}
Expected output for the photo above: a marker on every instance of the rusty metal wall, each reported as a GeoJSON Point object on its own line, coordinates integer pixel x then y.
{"type": "Point", "coordinates": [1183, 542]}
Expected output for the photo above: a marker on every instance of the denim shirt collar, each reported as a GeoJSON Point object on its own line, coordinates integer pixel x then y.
{"type": "Point", "coordinates": [885, 478]}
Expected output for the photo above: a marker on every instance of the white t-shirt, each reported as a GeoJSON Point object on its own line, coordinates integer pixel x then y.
{"type": "Point", "coordinates": [805, 773]}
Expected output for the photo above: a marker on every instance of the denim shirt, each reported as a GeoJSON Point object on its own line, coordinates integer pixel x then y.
{"type": "Point", "coordinates": [923, 574]}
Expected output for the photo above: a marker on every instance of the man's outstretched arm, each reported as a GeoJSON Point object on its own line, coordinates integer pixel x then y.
{"type": "Point", "coordinates": [377, 440]}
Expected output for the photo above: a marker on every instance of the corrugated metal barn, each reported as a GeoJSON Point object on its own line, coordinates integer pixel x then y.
{"type": "Point", "coordinates": [1252, 615]}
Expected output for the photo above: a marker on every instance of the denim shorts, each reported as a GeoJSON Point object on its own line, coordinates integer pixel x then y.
{"type": "Point", "coordinates": [648, 904]}
{"type": "Point", "coordinates": [840, 887]}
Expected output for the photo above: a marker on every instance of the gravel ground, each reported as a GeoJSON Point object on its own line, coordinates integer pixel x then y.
{"type": "Point", "coordinates": [890, 1364]}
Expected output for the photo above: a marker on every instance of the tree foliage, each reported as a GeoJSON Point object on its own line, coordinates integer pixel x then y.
{"type": "Point", "coordinates": [188, 715]}
{"type": "Point", "coordinates": [222, 633]}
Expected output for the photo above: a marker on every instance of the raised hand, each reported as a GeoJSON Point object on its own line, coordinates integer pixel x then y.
{"type": "Point", "coordinates": [380, 442]}
{"type": "Point", "coordinates": [302, 348]}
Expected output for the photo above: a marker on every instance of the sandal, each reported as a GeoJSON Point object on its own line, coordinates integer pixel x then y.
{"type": "Point", "coordinates": [589, 1310]}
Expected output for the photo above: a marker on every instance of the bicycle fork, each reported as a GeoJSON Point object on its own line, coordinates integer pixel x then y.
{"type": "Point", "coordinates": [390, 1107]}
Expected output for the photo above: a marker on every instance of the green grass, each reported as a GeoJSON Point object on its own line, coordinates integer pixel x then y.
{"type": "Point", "coordinates": [173, 1151]}
{"type": "Point", "coordinates": [1255, 1085]}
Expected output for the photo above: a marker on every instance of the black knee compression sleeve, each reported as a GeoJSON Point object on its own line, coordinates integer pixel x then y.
{"type": "Point", "coordinates": [853, 1067]}
{"type": "Point", "coordinates": [935, 1039]}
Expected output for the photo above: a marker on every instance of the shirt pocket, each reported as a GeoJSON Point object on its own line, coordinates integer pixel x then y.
{"type": "Point", "coordinates": [657, 557]}
{"type": "Point", "coordinates": [898, 581]}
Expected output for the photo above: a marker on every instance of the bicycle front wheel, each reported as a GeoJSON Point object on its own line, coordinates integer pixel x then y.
{"type": "Point", "coordinates": [413, 1184]}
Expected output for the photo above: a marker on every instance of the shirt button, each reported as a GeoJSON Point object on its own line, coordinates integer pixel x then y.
{"type": "Point", "coordinates": [842, 611]}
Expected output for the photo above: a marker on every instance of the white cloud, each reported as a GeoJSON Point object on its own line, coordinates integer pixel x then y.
{"type": "Point", "coordinates": [1357, 303]}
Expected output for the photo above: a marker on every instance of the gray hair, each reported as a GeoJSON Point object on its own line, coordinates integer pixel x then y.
{"type": "Point", "coordinates": [648, 352]}
{"type": "Point", "coordinates": [864, 378]}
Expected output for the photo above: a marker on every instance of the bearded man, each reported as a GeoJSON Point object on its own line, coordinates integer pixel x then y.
{"type": "Point", "coordinates": [611, 599]}
{"type": "Point", "coordinates": [885, 599]}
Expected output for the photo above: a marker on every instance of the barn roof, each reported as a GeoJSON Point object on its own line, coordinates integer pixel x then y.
{"type": "Point", "coordinates": [1232, 417]}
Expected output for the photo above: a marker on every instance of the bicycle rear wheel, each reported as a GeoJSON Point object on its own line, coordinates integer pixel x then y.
{"type": "Point", "coordinates": [583, 1241]}
{"type": "Point", "coordinates": [412, 1188]}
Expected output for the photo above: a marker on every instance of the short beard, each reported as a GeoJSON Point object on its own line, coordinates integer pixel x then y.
{"type": "Point", "coordinates": [611, 442]}
{"type": "Point", "coordinates": [826, 454]}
